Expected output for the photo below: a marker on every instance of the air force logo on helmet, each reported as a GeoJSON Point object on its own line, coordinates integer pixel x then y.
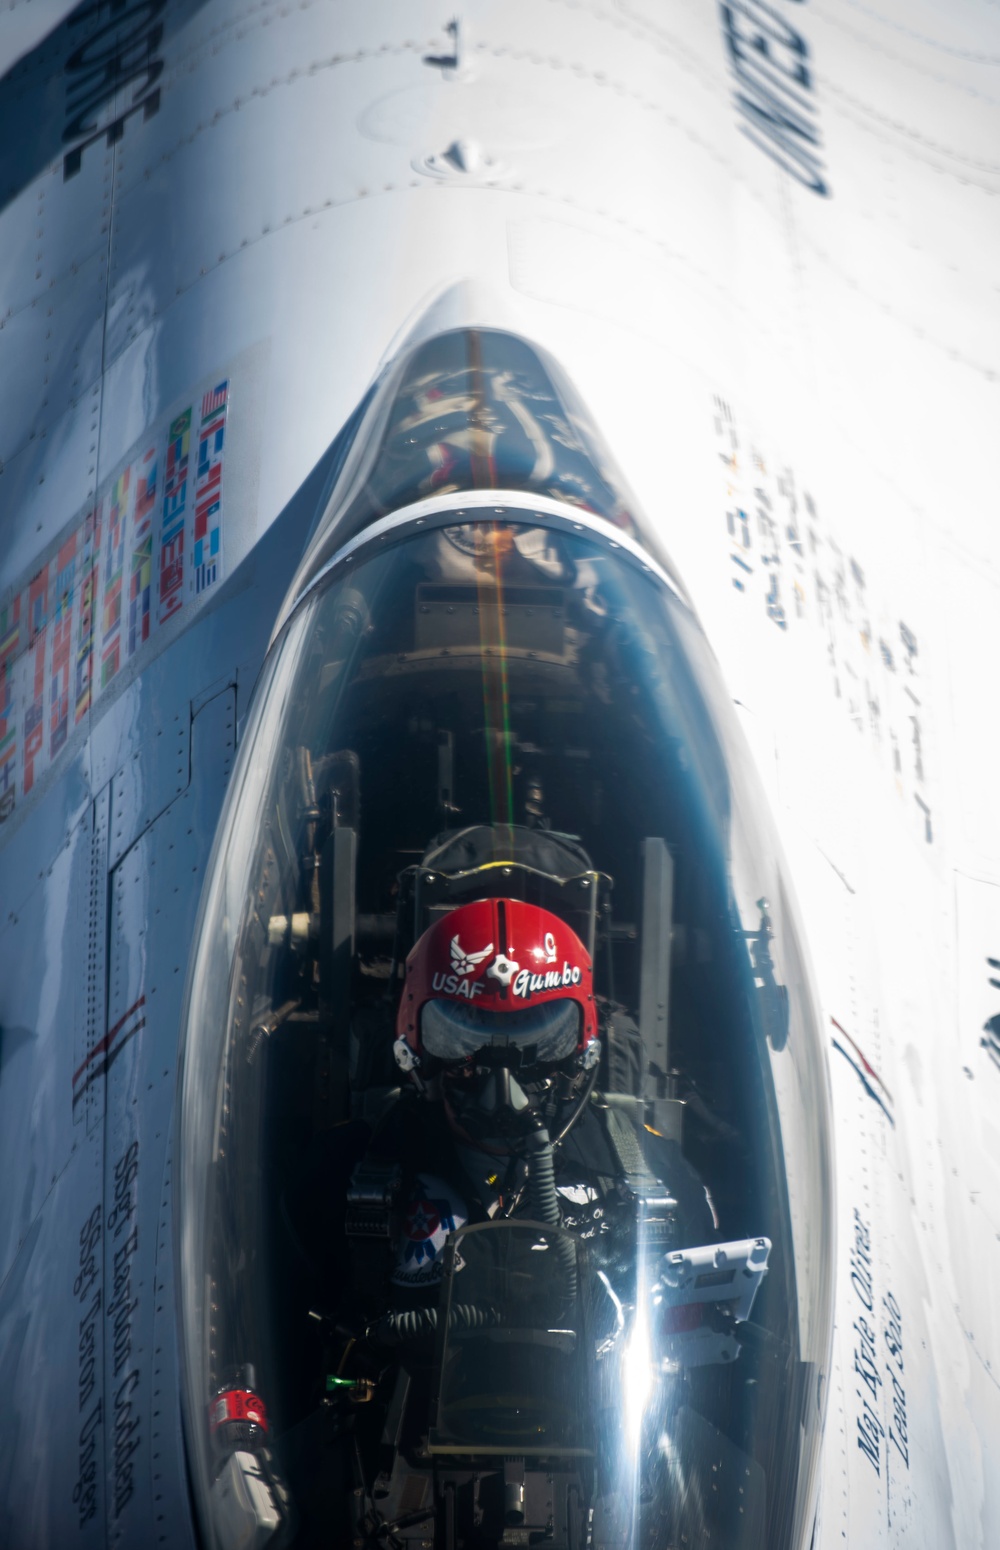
{"type": "Point", "coordinates": [530, 986]}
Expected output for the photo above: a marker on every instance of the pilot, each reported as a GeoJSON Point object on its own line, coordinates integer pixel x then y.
{"type": "Point", "coordinates": [498, 1033]}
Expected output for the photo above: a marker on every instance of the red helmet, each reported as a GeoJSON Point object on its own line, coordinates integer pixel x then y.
{"type": "Point", "coordinates": [496, 972]}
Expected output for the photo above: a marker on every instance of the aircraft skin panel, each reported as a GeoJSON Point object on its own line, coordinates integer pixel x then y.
{"type": "Point", "coordinates": [53, 327]}
{"type": "Point", "coordinates": [170, 1511]}
{"type": "Point", "coordinates": [99, 909]}
{"type": "Point", "coordinates": [29, 27]}
{"type": "Point", "coordinates": [144, 788]}
{"type": "Point", "coordinates": [52, 1017]}
{"type": "Point", "coordinates": [55, 370]}
{"type": "Point", "coordinates": [53, 1443]}
{"type": "Point", "coordinates": [892, 994]}
{"type": "Point", "coordinates": [797, 370]}
{"type": "Point", "coordinates": [52, 1224]}
{"type": "Point", "coordinates": [114, 1174]}
{"type": "Point", "coordinates": [889, 995]}
{"type": "Point", "coordinates": [50, 469]}
{"type": "Point", "coordinates": [146, 980]}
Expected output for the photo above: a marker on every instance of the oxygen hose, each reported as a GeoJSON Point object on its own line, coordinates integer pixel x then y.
{"type": "Point", "coordinates": [545, 1201]}
{"type": "Point", "coordinates": [581, 1104]}
{"type": "Point", "coordinates": [542, 1178]}
{"type": "Point", "coordinates": [415, 1323]}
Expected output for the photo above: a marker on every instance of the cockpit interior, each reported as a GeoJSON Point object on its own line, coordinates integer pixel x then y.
{"type": "Point", "coordinates": [522, 1265]}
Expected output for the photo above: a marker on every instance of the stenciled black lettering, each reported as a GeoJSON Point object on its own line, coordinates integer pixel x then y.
{"type": "Point", "coordinates": [865, 1364]}
{"type": "Point", "coordinates": [892, 1334]}
{"type": "Point", "coordinates": [88, 1350]}
{"type": "Point", "coordinates": [118, 54]}
{"type": "Point", "coordinates": [123, 27]}
{"type": "Point", "coordinates": [861, 1264]}
{"type": "Point", "coordinates": [90, 1237]}
{"type": "Point", "coordinates": [870, 1434]}
{"type": "Point", "coordinates": [770, 126]}
{"type": "Point", "coordinates": [777, 112]}
{"type": "Point", "coordinates": [127, 1441]}
{"type": "Point", "coordinates": [122, 1332]}
{"type": "Point", "coordinates": [754, 45]}
{"type": "Point", "coordinates": [898, 1430]}
{"type": "Point", "coordinates": [869, 1447]}
{"type": "Point", "coordinates": [121, 1304]}
{"type": "Point", "coordinates": [126, 1172]}
{"type": "Point", "coordinates": [85, 1489]}
{"type": "Point", "coordinates": [128, 1247]}
{"type": "Point", "coordinates": [893, 1330]}
{"type": "Point", "coordinates": [86, 111]}
{"type": "Point", "coordinates": [870, 1429]}
{"type": "Point", "coordinates": [120, 1309]}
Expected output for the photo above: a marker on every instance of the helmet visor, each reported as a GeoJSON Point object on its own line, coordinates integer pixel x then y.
{"type": "Point", "coordinates": [452, 1031]}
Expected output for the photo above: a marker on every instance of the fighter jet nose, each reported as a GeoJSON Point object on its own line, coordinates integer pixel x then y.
{"type": "Point", "coordinates": [472, 302]}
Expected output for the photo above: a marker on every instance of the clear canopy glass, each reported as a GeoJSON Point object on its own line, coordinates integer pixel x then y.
{"type": "Point", "coordinates": [472, 409]}
{"type": "Point", "coordinates": [511, 706]}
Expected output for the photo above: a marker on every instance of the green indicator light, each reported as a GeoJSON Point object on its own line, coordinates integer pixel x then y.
{"type": "Point", "coordinates": [333, 1382]}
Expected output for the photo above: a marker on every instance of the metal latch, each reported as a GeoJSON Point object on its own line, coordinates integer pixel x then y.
{"type": "Point", "coordinates": [657, 1220]}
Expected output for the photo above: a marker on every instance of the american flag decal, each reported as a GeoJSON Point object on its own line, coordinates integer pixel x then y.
{"type": "Point", "coordinates": [214, 401]}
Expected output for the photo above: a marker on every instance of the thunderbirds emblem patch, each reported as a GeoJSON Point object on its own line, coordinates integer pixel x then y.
{"type": "Point", "coordinates": [431, 1213]}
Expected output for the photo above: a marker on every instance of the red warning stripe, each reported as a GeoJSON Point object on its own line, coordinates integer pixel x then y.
{"type": "Point", "coordinates": [869, 1068]}
{"type": "Point", "coordinates": [108, 1040]}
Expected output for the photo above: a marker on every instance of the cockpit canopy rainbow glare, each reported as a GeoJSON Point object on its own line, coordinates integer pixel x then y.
{"type": "Point", "coordinates": [522, 1287]}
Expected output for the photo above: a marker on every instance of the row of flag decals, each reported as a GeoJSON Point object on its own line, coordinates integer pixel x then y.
{"type": "Point", "coordinates": [149, 544]}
